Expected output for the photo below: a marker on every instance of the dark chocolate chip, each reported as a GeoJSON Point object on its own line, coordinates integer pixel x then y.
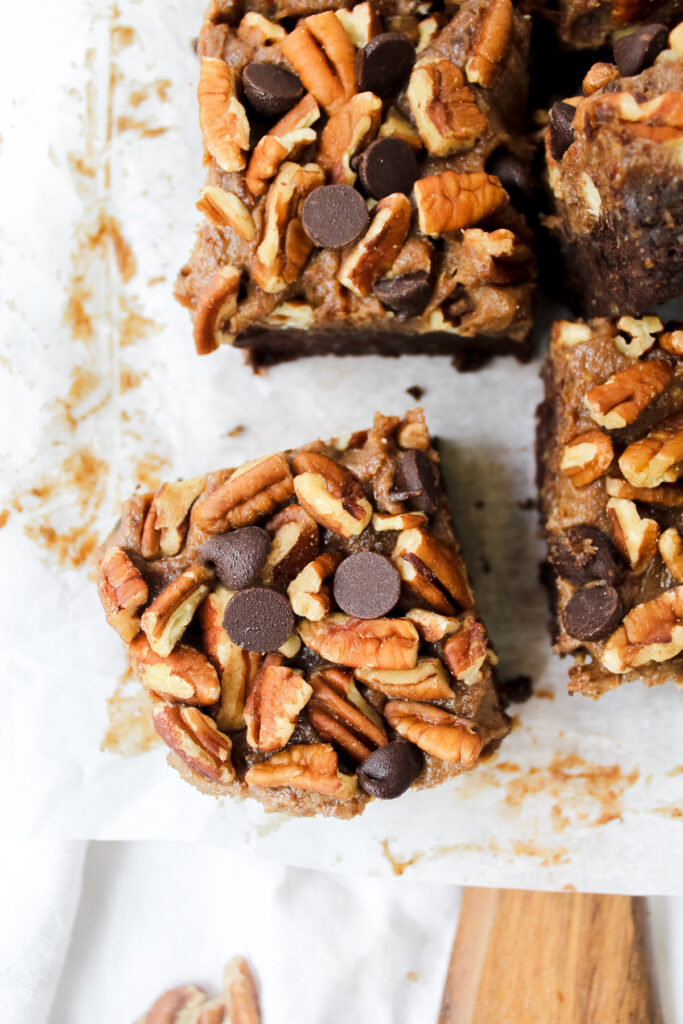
{"type": "Point", "coordinates": [561, 131]}
{"type": "Point", "coordinates": [384, 63]}
{"type": "Point", "coordinates": [414, 481]}
{"type": "Point", "coordinates": [367, 585]}
{"type": "Point", "coordinates": [510, 171]}
{"type": "Point", "coordinates": [387, 166]}
{"type": "Point", "coordinates": [390, 770]}
{"type": "Point", "coordinates": [407, 295]}
{"type": "Point", "coordinates": [271, 89]}
{"type": "Point", "coordinates": [334, 216]}
{"type": "Point", "coordinates": [236, 557]}
{"type": "Point", "coordinates": [258, 619]}
{"type": "Point", "coordinates": [638, 50]}
{"type": "Point", "coordinates": [582, 554]}
{"type": "Point", "coordinates": [593, 612]}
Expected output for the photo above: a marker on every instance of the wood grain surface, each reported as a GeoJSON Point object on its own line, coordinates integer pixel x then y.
{"type": "Point", "coordinates": [550, 958]}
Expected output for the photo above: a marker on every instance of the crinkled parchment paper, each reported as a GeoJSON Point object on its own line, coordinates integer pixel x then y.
{"type": "Point", "coordinates": [100, 391]}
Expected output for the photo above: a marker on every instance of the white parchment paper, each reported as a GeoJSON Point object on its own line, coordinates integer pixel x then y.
{"type": "Point", "coordinates": [100, 390]}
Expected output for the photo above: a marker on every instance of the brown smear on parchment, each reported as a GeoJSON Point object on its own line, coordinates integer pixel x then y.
{"type": "Point", "coordinates": [129, 712]}
{"type": "Point", "coordinates": [398, 866]}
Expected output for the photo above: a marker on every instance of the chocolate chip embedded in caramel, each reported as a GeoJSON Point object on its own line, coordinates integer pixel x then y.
{"type": "Point", "coordinates": [593, 612]}
{"type": "Point", "coordinates": [271, 89]}
{"type": "Point", "coordinates": [387, 166]}
{"type": "Point", "coordinates": [334, 216]}
{"type": "Point", "coordinates": [367, 585]}
{"type": "Point", "coordinates": [638, 50]}
{"type": "Point", "coordinates": [407, 295]}
{"type": "Point", "coordinates": [390, 770]}
{"type": "Point", "coordinates": [561, 131]}
{"type": "Point", "coordinates": [258, 619]}
{"type": "Point", "coordinates": [414, 481]}
{"type": "Point", "coordinates": [511, 173]}
{"type": "Point", "coordinates": [236, 557]}
{"type": "Point", "coordinates": [384, 64]}
{"type": "Point", "coordinates": [582, 554]}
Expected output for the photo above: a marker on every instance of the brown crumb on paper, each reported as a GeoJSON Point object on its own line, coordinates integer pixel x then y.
{"type": "Point", "coordinates": [4, 516]}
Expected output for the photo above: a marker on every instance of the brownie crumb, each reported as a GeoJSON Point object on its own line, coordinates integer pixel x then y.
{"type": "Point", "coordinates": [236, 431]}
{"type": "Point", "coordinates": [528, 505]}
{"type": "Point", "coordinates": [415, 392]}
{"type": "Point", "coordinates": [479, 503]}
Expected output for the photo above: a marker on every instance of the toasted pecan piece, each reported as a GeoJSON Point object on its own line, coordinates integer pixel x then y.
{"type": "Point", "coordinates": [627, 393]}
{"type": "Point", "coordinates": [340, 721]}
{"type": "Point", "coordinates": [374, 254]}
{"type": "Point", "coordinates": [308, 594]}
{"type": "Point", "coordinates": [465, 651]}
{"type": "Point", "coordinates": [655, 459]}
{"type": "Point", "coordinates": [183, 675]}
{"type": "Point", "coordinates": [330, 493]}
{"type": "Point", "coordinates": [586, 457]}
{"type": "Point", "coordinates": [276, 698]}
{"type": "Point", "coordinates": [295, 542]}
{"type": "Point", "coordinates": [222, 117]}
{"type": "Point", "coordinates": [437, 732]}
{"type": "Point", "coordinates": [225, 209]}
{"type": "Point", "coordinates": [170, 613]}
{"type": "Point", "coordinates": [252, 491]}
{"type": "Point", "coordinates": [324, 58]}
{"type": "Point", "coordinates": [215, 307]}
{"type": "Point", "coordinates": [446, 115]}
{"type": "Point", "coordinates": [635, 537]}
{"type": "Point", "coordinates": [311, 766]}
{"type": "Point", "coordinates": [490, 43]}
{"type": "Point", "coordinates": [285, 246]}
{"type": "Point", "coordinates": [349, 131]}
{"type": "Point", "coordinates": [236, 667]}
{"type": "Point", "coordinates": [432, 571]}
{"type": "Point", "coordinates": [427, 681]}
{"type": "Point", "coordinates": [168, 516]}
{"type": "Point", "coordinates": [355, 643]}
{"type": "Point", "coordinates": [450, 201]}
{"type": "Point", "coordinates": [196, 740]}
{"type": "Point", "coordinates": [671, 550]}
{"type": "Point", "coordinates": [122, 591]}
{"type": "Point", "coordinates": [652, 631]}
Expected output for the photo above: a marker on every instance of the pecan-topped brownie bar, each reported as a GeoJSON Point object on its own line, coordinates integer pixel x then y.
{"type": "Point", "coordinates": [614, 168]}
{"type": "Point", "coordinates": [590, 24]}
{"type": "Point", "coordinates": [363, 169]}
{"type": "Point", "coordinates": [610, 447]}
{"type": "Point", "coordinates": [305, 625]}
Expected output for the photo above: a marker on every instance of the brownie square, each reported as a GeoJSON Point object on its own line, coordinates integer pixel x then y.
{"type": "Point", "coordinates": [365, 165]}
{"type": "Point", "coordinates": [305, 625]}
{"type": "Point", "coordinates": [614, 170]}
{"type": "Point", "coordinates": [610, 451]}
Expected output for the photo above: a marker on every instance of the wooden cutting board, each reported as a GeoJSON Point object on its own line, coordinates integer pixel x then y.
{"type": "Point", "coordinates": [550, 958]}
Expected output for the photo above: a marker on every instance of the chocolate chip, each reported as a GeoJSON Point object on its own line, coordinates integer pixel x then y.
{"type": "Point", "coordinates": [511, 172]}
{"type": "Point", "coordinates": [271, 89]}
{"type": "Point", "coordinates": [593, 612]}
{"type": "Point", "coordinates": [390, 770]}
{"type": "Point", "coordinates": [561, 131]}
{"type": "Point", "coordinates": [407, 295]}
{"type": "Point", "coordinates": [367, 585]}
{"type": "Point", "coordinates": [236, 557]}
{"type": "Point", "coordinates": [258, 619]}
{"type": "Point", "coordinates": [384, 63]}
{"type": "Point", "coordinates": [638, 50]}
{"type": "Point", "coordinates": [582, 554]}
{"type": "Point", "coordinates": [414, 481]}
{"type": "Point", "coordinates": [334, 216]}
{"type": "Point", "coordinates": [386, 166]}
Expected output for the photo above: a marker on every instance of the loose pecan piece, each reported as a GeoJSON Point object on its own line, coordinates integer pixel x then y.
{"type": "Point", "coordinates": [225, 209]}
{"type": "Point", "coordinates": [490, 43]}
{"type": "Point", "coordinates": [671, 550]}
{"type": "Point", "coordinates": [274, 703]}
{"type": "Point", "coordinates": [466, 650]}
{"type": "Point", "coordinates": [435, 731]}
{"type": "Point", "coordinates": [254, 490]}
{"type": "Point", "coordinates": [177, 1006]}
{"type": "Point", "coordinates": [240, 990]}
{"type": "Point", "coordinates": [183, 675]}
{"type": "Point", "coordinates": [235, 666]}
{"type": "Point", "coordinates": [586, 457]}
{"type": "Point", "coordinates": [336, 719]}
{"type": "Point", "coordinates": [222, 117]}
{"type": "Point", "coordinates": [122, 591]}
{"type": "Point", "coordinates": [311, 766]}
{"type": "Point", "coordinates": [636, 538]}
{"type": "Point", "coordinates": [449, 201]}
{"type": "Point", "coordinates": [432, 571]}
{"type": "Point", "coordinates": [308, 595]}
{"type": "Point", "coordinates": [358, 643]}
{"type": "Point", "coordinates": [427, 681]}
{"type": "Point", "coordinates": [373, 256]}
{"type": "Point", "coordinates": [196, 740]}
{"type": "Point", "coordinates": [216, 305]}
{"type": "Point", "coordinates": [655, 459]}
{"type": "Point", "coordinates": [324, 59]}
{"type": "Point", "coordinates": [170, 613]}
{"type": "Point", "coordinates": [622, 398]}
{"type": "Point", "coordinates": [330, 494]}
{"type": "Point", "coordinates": [285, 246]}
{"type": "Point", "coordinates": [295, 543]}
{"type": "Point", "coordinates": [446, 115]}
{"type": "Point", "coordinates": [349, 131]}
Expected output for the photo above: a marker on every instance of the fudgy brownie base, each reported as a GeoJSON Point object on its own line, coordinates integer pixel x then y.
{"type": "Point", "coordinates": [305, 626]}
{"type": "Point", "coordinates": [421, 248]}
{"type": "Point", "coordinates": [610, 451]}
{"type": "Point", "coordinates": [590, 24]}
{"type": "Point", "coordinates": [614, 169]}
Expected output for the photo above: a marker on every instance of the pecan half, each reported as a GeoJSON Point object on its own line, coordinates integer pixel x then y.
{"type": "Point", "coordinates": [431, 571]}
{"type": "Point", "coordinates": [254, 490]}
{"type": "Point", "coordinates": [240, 990]}
{"type": "Point", "coordinates": [652, 631]}
{"type": "Point", "coordinates": [466, 650]}
{"type": "Point", "coordinates": [236, 667]}
{"type": "Point", "coordinates": [431, 626]}
{"type": "Point", "coordinates": [373, 256]}
{"type": "Point", "coordinates": [349, 131]}
{"type": "Point", "coordinates": [622, 398]}
{"type": "Point", "coordinates": [437, 732]}
{"type": "Point", "coordinates": [311, 766]}
{"type": "Point", "coordinates": [222, 117]}
{"type": "Point", "coordinates": [225, 209]}
{"type": "Point", "coordinates": [295, 542]}
{"type": "Point", "coordinates": [355, 643]}
{"type": "Point", "coordinates": [449, 201]}
{"type": "Point", "coordinates": [336, 719]}
{"type": "Point", "coordinates": [285, 246]}
{"type": "Point", "coordinates": [183, 675]}
{"type": "Point", "coordinates": [636, 538]}
{"type": "Point", "coordinates": [167, 521]}
{"type": "Point", "coordinates": [285, 141]}
{"type": "Point", "coordinates": [655, 459]}
{"type": "Point", "coordinates": [324, 59]}
{"type": "Point", "coordinates": [586, 457]}
{"type": "Point", "coordinates": [642, 335]}
{"type": "Point", "coordinates": [170, 613]}
{"type": "Point", "coordinates": [196, 740]}
{"type": "Point", "coordinates": [330, 494]}
{"type": "Point", "coordinates": [361, 23]}
{"type": "Point", "coordinates": [122, 592]}
{"type": "Point", "coordinates": [308, 595]}
{"type": "Point", "coordinates": [401, 521]}
{"type": "Point", "coordinates": [671, 550]}
{"type": "Point", "coordinates": [446, 115]}
{"type": "Point", "coordinates": [274, 703]}
{"type": "Point", "coordinates": [490, 43]}
{"type": "Point", "coordinates": [216, 305]}
{"type": "Point", "coordinates": [177, 1006]}
{"type": "Point", "coordinates": [427, 681]}
{"type": "Point", "coordinates": [666, 494]}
